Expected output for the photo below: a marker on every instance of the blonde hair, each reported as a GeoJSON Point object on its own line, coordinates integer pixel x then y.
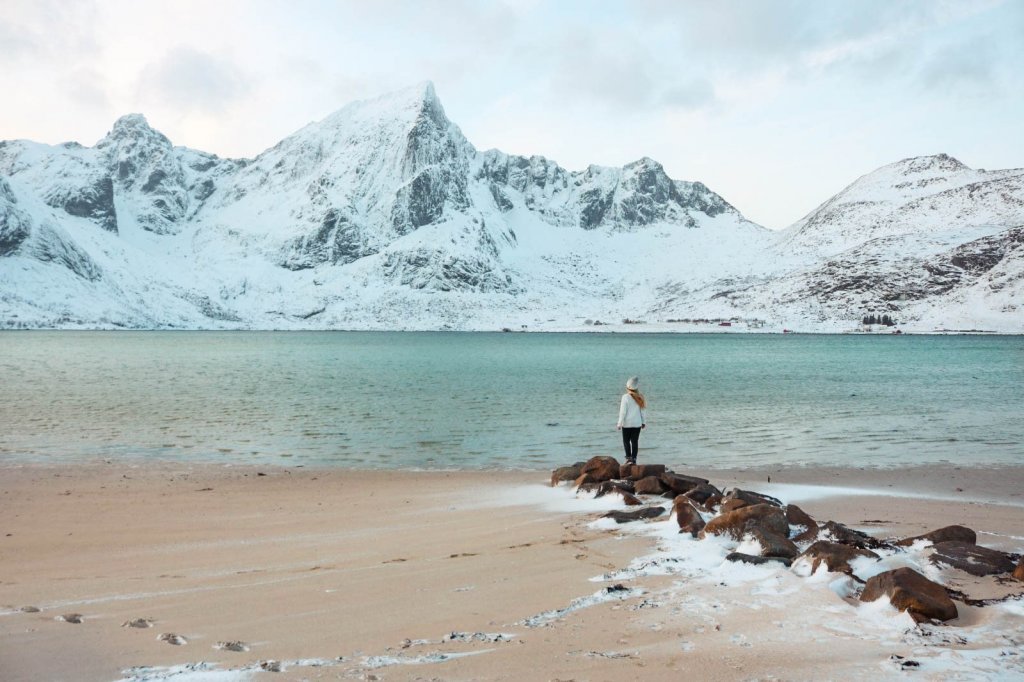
{"type": "Point", "coordinates": [638, 397]}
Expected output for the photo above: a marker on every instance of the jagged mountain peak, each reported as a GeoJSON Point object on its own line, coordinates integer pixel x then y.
{"type": "Point", "coordinates": [404, 106]}
{"type": "Point", "coordinates": [644, 162]}
{"type": "Point", "coordinates": [133, 127]}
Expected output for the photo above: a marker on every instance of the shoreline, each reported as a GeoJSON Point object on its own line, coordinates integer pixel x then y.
{"type": "Point", "coordinates": [1000, 483]}
{"type": "Point", "coordinates": [615, 329]}
{"type": "Point", "coordinates": [450, 574]}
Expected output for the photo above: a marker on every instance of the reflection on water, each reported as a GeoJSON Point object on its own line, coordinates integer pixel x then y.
{"type": "Point", "coordinates": [454, 400]}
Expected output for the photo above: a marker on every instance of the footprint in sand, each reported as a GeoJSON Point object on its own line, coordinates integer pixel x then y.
{"type": "Point", "coordinates": [29, 609]}
{"type": "Point", "coordinates": [171, 638]}
{"type": "Point", "coordinates": [137, 623]}
{"type": "Point", "coordinates": [231, 646]}
{"type": "Point", "coordinates": [75, 618]}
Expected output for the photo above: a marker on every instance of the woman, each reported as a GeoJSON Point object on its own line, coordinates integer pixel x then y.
{"type": "Point", "coordinates": [631, 418]}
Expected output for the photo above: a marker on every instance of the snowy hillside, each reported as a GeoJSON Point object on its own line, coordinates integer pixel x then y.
{"type": "Point", "coordinates": [384, 216]}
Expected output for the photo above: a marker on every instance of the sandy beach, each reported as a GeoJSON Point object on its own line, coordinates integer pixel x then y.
{"type": "Point", "coordinates": [330, 574]}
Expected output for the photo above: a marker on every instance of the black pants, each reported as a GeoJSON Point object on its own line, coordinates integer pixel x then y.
{"type": "Point", "coordinates": [631, 441]}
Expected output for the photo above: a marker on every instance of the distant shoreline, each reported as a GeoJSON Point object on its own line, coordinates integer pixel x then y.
{"type": "Point", "coordinates": [617, 329]}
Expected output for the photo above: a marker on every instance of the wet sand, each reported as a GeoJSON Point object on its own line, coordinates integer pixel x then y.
{"type": "Point", "coordinates": [419, 575]}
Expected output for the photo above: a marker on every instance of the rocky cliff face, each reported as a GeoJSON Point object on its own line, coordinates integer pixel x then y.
{"type": "Point", "coordinates": [383, 215]}
{"type": "Point", "coordinates": [623, 199]}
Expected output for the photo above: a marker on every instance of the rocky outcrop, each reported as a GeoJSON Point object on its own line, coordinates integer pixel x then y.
{"type": "Point", "coordinates": [947, 534]}
{"type": "Point", "coordinates": [680, 484]}
{"type": "Point", "coordinates": [569, 473]}
{"type": "Point", "coordinates": [910, 591]}
{"type": "Point", "coordinates": [844, 535]}
{"type": "Point", "coordinates": [142, 164]}
{"type": "Point", "coordinates": [703, 493]}
{"type": "Point", "coordinates": [761, 521]}
{"type": "Point", "coordinates": [796, 516]}
{"type": "Point", "coordinates": [974, 559]}
{"type": "Point", "coordinates": [638, 515]}
{"type": "Point", "coordinates": [748, 519]}
{"type": "Point", "coordinates": [774, 544]}
{"type": "Point", "coordinates": [687, 516]}
{"type": "Point", "coordinates": [635, 472]}
{"type": "Point", "coordinates": [834, 556]}
{"type": "Point", "coordinates": [651, 485]}
{"type": "Point", "coordinates": [750, 497]}
{"type": "Point", "coordinates": [739, 557]}
{"type": "Point", "coordinates": [732, 505]}
{"type": "Point", "coordinates": [93, 199]}
{"type": "Point", "coordinates": [601, 468]}
{"type": "Point", "coordinates": [434, 167]}
{"type": "Point", "coordinates": [15, 225]}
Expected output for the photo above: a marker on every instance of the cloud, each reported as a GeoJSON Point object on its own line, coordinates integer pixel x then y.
{"type": "Point", "coordinates": [86, 87]}
{"type": "Point", "coordinates": [966, 68]}
{"type": "Point", "coordinates": [31, 30]}
{"type": "Point", "coordinates": [580, 67]}
{"type": "Point", "coordinates": [190, 80]}
{"type": "Point", "coordinates": [697, 93]}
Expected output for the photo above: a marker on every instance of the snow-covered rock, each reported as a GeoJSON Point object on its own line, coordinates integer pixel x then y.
{"type": "Point", "coordinates": [383, 215]}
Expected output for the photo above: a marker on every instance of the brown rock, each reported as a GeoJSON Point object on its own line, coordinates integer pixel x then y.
{"type": "Point", "coordinates": [737, 523]}
{"type": "Point", "coordinates": [601, 468]}
{"type": "Point", "coordinates": [751, 497]}
{"type": "Point", "coordinates": [848, 536]}
{"type": "Point", "coordinates": [570, 473]}
{"type": "Point", "coordinates": [910, 591]}
{"type": "Point", "coordinates": [973, 559]}
{"type": "Point", "coordinates": [711, 503]}
{"type": "Point", "coordinates": [649, 486]}
{"type": "Point", "coordinates": [679, 484]}
{"type": "Point", "coordinates": [795, 516]}
{"type": "Point", "coordinates": [809, 535]}
{"type": "Point", "coordinates": [728, 505]}
{"type": "Point", "coordinates": [584, 480]}
{"type": "Point", "coordinates": [630, 499]}
{"type": "Point", "coordinates": [774, 545]}
{"type": "Point", "coordinates": [635, 472]}
{"type": "Point", "coordinates": [835, 556]}
{"type": "Point", "coordinates": [703, 493]}
{"type": "Point", "coordinates": [1018, 572]}
{"type": "Point", "coordinates": [757, 560]}
{"type": "Point", "coordinates": [689, 519]}
{"type": "Point", "coordinates": [947, 534]}
{"type": "Point", "coordinates": [637, 515]}
{"type": "Point", "coordinates": [614, 487]}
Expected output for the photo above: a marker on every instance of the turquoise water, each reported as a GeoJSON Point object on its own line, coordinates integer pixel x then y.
{"type": "Point", "coordinates": [475, 400]}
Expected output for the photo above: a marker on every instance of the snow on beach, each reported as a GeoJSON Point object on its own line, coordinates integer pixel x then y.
{"type": "Point", "coordinates": [457, 575]}
{"type": "Point", "coordinates": [770, 605]}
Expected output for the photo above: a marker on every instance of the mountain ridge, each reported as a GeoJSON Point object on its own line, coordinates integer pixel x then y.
{"type": "Point", "coordinates": [383, 215]}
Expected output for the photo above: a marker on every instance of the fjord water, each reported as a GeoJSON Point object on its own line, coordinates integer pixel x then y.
{"type": "Point", "coordinates": [479, 400]}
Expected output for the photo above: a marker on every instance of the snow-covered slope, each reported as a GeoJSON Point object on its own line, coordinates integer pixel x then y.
{"type": "Point", "coordinates": [383, 215]}
{"type": "Point", "coordinates": [923, 196]}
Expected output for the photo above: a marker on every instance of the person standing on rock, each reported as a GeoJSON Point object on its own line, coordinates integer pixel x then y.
{"type": "Point", "coordinates": [631, 418]}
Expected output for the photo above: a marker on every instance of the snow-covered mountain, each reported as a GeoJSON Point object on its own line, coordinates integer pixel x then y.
{"type": "Point", "coordinates": [383, 215]}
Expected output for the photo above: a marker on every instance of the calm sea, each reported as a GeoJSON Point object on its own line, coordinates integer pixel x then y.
{"type": "Point", "coordinates": [477, 400]}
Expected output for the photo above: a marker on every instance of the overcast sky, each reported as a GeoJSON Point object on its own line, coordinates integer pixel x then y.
{"type": "Point", "coordinates": [774, 105]}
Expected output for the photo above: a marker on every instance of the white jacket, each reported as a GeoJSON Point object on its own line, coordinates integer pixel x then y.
{"type": "Point", "coordinates": [630, 414]}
